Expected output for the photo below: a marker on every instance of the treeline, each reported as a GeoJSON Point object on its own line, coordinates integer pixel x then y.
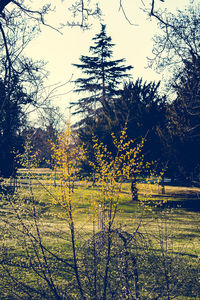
{"type": "Point", "coordinates": [110, 100]}
{"type": "Point", "coordinates": [170, 128]}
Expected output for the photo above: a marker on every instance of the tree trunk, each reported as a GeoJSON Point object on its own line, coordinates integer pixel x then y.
{"type": "Point", "coordinates": [134, 190]}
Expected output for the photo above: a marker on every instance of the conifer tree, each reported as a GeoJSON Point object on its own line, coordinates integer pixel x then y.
{"type": "Point", "coordinates": [103, 75]}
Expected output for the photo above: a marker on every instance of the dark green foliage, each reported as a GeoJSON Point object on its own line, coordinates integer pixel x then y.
{"type": "Point", "coordinates": [185, 121]}
{"type": "Point", "coordinates": [101, 84]}
{"type": "Point", "coordinates": [143, 111]}
{"type": "Point", "coordinates": [140, 109]}
{"type": "Point", "coordinates": [103, 75]}
{"type": "Point", "coordinates": [12, 118]}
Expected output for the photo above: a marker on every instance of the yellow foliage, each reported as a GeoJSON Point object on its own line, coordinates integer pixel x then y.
{"type": "Point", "coordinates": [67, 156]}
{"type": "Point", "coordinates": [111, 171]}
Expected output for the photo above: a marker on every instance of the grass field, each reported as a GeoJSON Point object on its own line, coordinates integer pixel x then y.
{"type": "Point", "coordinates": [168, 224]}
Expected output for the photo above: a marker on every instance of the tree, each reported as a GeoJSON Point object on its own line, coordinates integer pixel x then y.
{"type": "Point", "coordinates": [40, 142]}
{"type": "Point", "coordinates": [142, 110]}
{"type": "Point", "coordinates": [41, 137]}
{"type": "Point", "coordinates": [10, 121]}
{"type": "Point", "coordinates": [177, 41]}
{"type": "Point", "coordinates": [187, 87]}
{"type": "Point", "coordinates": [185, 121]}
{"type": "Point", "coordinates": [103, 75]}
{"type": "Point", "coordinates": [20, 80]}
{"type": "Point", "coordinates": [177, 49]}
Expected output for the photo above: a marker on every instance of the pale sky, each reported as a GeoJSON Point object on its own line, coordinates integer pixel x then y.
{"type": "Point", "coordinates": [131, 42]}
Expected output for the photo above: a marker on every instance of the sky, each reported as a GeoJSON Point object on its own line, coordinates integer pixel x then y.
{"type": "Point", "coordinates": [132, 42]}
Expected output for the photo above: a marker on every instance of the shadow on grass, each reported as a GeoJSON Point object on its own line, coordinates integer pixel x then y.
{"type": "Point", "coordinates": [187, 204]}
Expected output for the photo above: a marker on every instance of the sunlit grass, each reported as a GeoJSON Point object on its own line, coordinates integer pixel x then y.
{"type": "Point", "coordinates": [183, 224]}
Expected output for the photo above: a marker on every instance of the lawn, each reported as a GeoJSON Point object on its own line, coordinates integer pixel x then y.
{"type": "Point", "coordinates": [164, 235]}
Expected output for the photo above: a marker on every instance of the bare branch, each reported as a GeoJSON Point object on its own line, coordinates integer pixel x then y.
{"type": "Point", "coordinates": [121, 7]}
{"type": "Point", "coordinates": [44, 10]}
{"type": "Point", "coordinates": [8, 69]}
{"type": "Point", "coordinates": [79, 9]}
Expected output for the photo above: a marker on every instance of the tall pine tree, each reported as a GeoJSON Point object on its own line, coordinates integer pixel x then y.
{"type": "Point", "coordinates": [103, 76]}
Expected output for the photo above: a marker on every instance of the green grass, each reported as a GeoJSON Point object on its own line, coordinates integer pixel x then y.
{"type": "Point", "coordinates": [184, 222]}
{"type": "Point", "coordinates": [178, 227]}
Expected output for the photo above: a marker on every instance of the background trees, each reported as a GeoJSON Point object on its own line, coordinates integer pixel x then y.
{"type": "Point", "coordinates": [12, 119]}
{"type": "Point", "coordinates": [20, 80]}
{"type": "Point", "coordinates": [144, 111]}
{"type": "Point", "coordinates": [140, 109]}
{"type": "Point", "coordinates": [176, 49]}
{"type": "Point", "coordinates": [185, 121]}
{"type": "Point", "coordinates": [42, 136]}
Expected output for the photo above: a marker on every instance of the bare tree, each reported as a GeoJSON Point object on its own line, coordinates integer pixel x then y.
{"type": "Point", "coordinates": [178, 39]}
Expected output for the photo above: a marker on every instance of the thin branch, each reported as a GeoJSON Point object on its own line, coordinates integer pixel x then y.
{"type": "Point", "coordinates": [7, 54]}
{"type": "Point", "coordinates": [37, 12]}
{"type": "Point", "coordinates": [124, 13]}
{"type": "Point", "coordinates": [155, 15]}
